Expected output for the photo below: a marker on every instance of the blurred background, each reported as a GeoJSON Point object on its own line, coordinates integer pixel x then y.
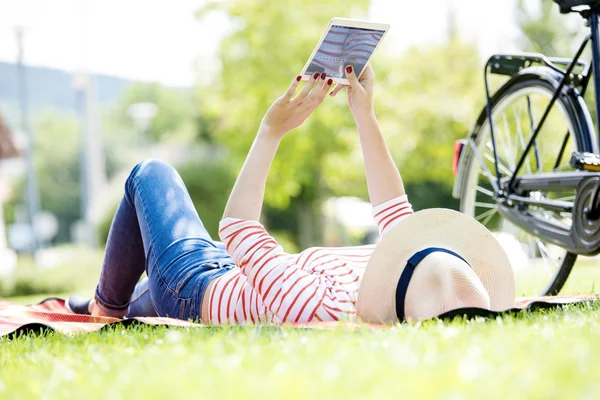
{"type": "Point", "coordinates": [88, 88]}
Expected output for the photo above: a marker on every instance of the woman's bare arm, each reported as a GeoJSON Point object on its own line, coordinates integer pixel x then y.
{"type": "Point", "coordinates": [383, 179]}
{"type": "Point", "coordinates": [285, 114]}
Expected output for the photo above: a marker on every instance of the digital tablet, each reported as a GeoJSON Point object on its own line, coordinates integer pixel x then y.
{"type": "Point", "coordinates": [345, 42]}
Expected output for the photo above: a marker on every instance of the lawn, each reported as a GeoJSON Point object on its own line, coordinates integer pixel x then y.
{"type": "Point", "coordinates": [542, 355]}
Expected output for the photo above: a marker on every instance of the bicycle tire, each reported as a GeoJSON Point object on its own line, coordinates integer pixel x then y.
{"type": "Point", "coordinates": [556, 282]}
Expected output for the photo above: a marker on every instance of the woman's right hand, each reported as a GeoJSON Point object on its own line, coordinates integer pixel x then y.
{"type": "Point", "coordinates": [360, 91]}
{"type": "Point", "coordinates": [289, 112]}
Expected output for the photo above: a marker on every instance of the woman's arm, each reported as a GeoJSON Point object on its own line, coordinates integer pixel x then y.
{"type": "Point", "coordinates": [285, 114]}
{"type": "Point", "coordinates": [383, 179]}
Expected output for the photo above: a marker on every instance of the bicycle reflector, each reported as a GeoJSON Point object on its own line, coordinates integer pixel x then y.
{"type": "Point", "coordinates": [458, 146]}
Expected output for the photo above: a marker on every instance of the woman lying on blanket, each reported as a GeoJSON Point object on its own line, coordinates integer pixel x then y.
{"type": "Point", "coordinates": [427, 263]}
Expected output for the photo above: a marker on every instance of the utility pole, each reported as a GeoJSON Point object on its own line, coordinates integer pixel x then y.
{"type": "Point", "coordinates": [93, 167]}
{"type": "Point", "coordinates": [93, 175]}
{"type": "Point", "coordinates": [31, 190]}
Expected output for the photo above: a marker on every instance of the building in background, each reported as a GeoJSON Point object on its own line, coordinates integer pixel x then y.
{"type": "Point", "coordinates": [8, 150]}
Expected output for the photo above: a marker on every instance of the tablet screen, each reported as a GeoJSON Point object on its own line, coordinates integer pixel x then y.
{"type": "Point", "coordinates": [344, 45]}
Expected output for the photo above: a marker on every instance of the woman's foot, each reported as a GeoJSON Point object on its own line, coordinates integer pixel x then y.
{"type": "Point", "coordinates": [96, 311]}
{"type": "Point", "coordinates": [84, 306]}
{"type": "Point", "coordinates": [78, 305]}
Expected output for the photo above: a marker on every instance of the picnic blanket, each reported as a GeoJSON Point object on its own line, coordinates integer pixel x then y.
{"type": "Point", "coordinates": [51, 315]}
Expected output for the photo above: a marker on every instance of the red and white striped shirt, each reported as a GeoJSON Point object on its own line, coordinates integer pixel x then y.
{"type": "Point", "coordinates": [318, 284]}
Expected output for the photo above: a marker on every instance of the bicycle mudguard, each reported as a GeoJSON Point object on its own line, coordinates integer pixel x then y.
{"type": "Point", "coordinates": [583, 131]}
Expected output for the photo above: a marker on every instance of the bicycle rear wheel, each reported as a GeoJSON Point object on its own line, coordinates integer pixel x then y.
{"type": "Point", "coordinates": [540, 268]}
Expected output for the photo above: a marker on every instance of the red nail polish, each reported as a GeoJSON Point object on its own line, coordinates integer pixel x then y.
{"type": "Point", "coordinates": [316, 75]}
{"type": "Point", "coordinates": [298, 78]}
{"type": "Point", "coordinates": [329, 81]}
{"type": "Point", "coordinates": [323, 75]}
{"type": "Point", "coordinates": [349, 69]}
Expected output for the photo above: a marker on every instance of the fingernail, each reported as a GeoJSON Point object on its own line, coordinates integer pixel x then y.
{"type": "Point", "coordinates": [316, 75]}
{"type": "Point", "coordinates": [323, 75]}
{"type": "Point", "coordinates": [331, 93]}
{"type": "Point", "coordinates": [349, 69]}
{"type": "Point", "coordinates": [298, 78]}
{"type": "Point", "coordinates": [329, 81]}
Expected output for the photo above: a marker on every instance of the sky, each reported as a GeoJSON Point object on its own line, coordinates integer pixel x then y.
{"type": "Point", "coordinates": [99, 36]}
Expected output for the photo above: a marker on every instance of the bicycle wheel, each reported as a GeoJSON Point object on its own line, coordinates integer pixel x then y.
{"type": "Point", "coordinates": [540, 268]}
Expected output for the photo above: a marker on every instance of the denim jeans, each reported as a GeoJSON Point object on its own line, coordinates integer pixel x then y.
{"type": "Point", "coordinates": [157, 229]}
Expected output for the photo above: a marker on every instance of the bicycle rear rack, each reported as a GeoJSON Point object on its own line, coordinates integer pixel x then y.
{"type": "Point", "coordinates": [512, 64]}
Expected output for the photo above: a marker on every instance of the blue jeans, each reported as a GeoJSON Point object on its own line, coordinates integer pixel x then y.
{"type": "Point", "coordinates": [157, 229]}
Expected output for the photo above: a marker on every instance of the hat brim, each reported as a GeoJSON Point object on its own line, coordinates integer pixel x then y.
{"type": "Point", "coordinates": [435, 227]}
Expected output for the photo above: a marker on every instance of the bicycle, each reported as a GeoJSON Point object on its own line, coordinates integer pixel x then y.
{"type": "Point", "coordinates": [512, 173]}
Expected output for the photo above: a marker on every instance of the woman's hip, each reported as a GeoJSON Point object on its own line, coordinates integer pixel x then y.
{"type": "Point", "coordinates": [179, 280]}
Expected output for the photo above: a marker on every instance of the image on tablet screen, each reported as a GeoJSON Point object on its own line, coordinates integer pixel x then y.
{"type": "Point", "coordinates": [343, 46]}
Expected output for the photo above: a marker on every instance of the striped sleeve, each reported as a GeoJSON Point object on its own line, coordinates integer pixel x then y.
{"type": "Point", "coordinates": [288, 291]}
{"type": "Point", "coordinates": [389, 213]}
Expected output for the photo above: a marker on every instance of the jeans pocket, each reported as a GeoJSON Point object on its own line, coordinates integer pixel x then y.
{"type": "Point", "coordinates": [185, 287]}
{"type": "Point", "coordinates": [184, 311]}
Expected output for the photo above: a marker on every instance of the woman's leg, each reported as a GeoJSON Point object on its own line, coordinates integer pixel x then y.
{"type": "Point", "coordinates": [157, 228]}
{"type": "Point", "coordinates": [141, 304]}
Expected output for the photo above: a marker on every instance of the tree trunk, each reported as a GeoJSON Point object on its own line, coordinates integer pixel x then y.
{"type": "Point", "coordinates": [305, 224]}
{"type": "Point", "coordinates": [310, 214]}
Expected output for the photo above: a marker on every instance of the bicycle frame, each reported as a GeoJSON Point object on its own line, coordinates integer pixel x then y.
{"type": "Point", "coordinates": [512, 190]}
{"type": "Point", "coordinates": [566, 78]}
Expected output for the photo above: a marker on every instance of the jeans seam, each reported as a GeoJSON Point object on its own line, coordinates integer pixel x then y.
{"type": "Point", "coordinates": [109, 306]}
{"type": "Point", "coordinates": [136, 189]}
{"type": "Point", "coordinates": [139, 295]}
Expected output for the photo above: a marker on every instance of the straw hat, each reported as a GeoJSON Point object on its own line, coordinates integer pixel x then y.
{"type": "Point", "coordinates": [456, 263]}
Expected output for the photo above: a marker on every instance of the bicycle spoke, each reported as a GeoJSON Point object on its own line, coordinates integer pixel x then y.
{"type": "Point", "coordinates": [490, 157]}
{"type": "Point", "coordinates": [501, 166]}
{"type": "Point", "coordinates": [485, 214]}
{"type": "Point", "coordinates": [532, 129]}
{"type": "Point", "coordinates": [544, 253]}
{"type": "Point", "coordinates": [485, 205]}
{"type": "Point", "coordinates": [513, 156]}
{"type": "Point", "coordinates": [483, 168]}
{"type": "Point", "coordinates": [566, 198]}
{"type": "Point", "coordinates": [485, 191]}
{"type": "Point", "coordinates": [521, 137]}
{"type": "Point", "coordinates": [489, 217]}
{"type": "Point", "coordinates": [501, 144]}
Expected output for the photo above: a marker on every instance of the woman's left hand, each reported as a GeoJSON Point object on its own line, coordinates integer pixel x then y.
{"type": "Point", "coordinates": [289, 112]}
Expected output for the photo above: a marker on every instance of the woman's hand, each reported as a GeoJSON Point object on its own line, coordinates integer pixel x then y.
{"type": "Point", "coordinates": [289, 112]}
{"type": "Point", "coordinates": [360, 91]}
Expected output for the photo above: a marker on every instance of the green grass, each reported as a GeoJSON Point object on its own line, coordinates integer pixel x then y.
{"type": "Point", "coordinates": [552, 354]}
{"type": "Point", "coordinates": [547, 355]}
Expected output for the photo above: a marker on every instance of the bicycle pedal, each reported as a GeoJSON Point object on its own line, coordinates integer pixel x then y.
{"type": "Point", "coordinates": [585, 161]}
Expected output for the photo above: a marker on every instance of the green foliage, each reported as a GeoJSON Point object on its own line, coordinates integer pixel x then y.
{"type": "Point", "coordinates": [76, 269]}
{"type": "Point", "coordinates": [426, 99]}
{"type": "Point", "coordinates": [544, 29]}
{"type": "Point", "coordinates": [174, 113]}
{"type": "Point", "coordinates": [258, 61]}
{"type": "Point", "coordinates": [58, 168]}
{"type": "Point", "coordinates": [57, 164]}
{"type": "Point", "coordinates": [209, 182]}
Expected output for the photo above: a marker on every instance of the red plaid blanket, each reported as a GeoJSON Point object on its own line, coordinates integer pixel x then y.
{"type": "Point", "coordinates": [51, 314]}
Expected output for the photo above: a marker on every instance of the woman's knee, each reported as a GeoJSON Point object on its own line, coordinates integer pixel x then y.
{"type": "Point", "coordinates": [149, 170]}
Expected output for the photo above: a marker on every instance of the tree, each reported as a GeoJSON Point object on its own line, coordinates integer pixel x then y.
{"type": "Point", "coordinates": [544, 29]}
{"type": "Point", "coordinates": [57, 164]}
{"type": "Point", "coordinates": [427, 98]}
{"type": "Point", "coordinates": [258, 60]}
{"type": "Point", "coordinates": [174, 110]}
